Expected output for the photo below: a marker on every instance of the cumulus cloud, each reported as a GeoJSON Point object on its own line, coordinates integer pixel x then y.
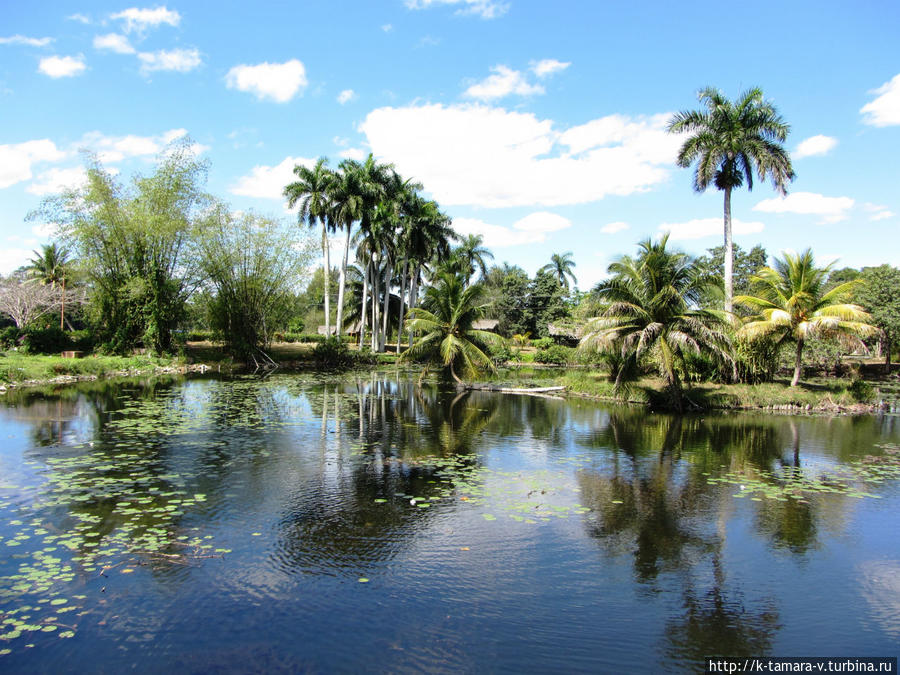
{"type": "Point", "coordinates": [24, 40]}
{"type": "Point", "coordinates": [387, 28]}
{"type": "Point", "coordinates": [878, 212]}
{"type": "Point", "coordinates": [56, 180]}
{"type": "Point", "coordinates": [62, 66]}
{"type": "Point", "coordinates": [279, 82]}
{"type": "Point", "coordinates": [831, 209]}
{"type": "Point", "coordinates": [532, 229]}
{"type": "Point", "coordinates": [486, 156]}
{"type": "Point", "coordinates": [884, 111]}
{"type": "Point", "coordinates": [708, 227]}
{"type": "Point", "coordinates": [346, 96]}
{"type": "Point", "coordinates": [80, 18]}
{"type": "Point", "coordinates": [138, 20]}
{"type": "Point", "coordinates": [547, 67]}
{"type": "Point", "coordinates": [815, 145]}
{"type": "Point", "coordinates": [114, 149]}
{"type": "Point", "coordinates": [354, 153]}
{"type": "Point", "coordinates": [268, 182]}
{"type": "Point", "coordinates": [486, 9]}
{"type": "Point", "coordinates": [16, 161]}
{"type": "Point", "coordinates": [13, 258]}
{"type": "Point", "coordinates": [113, 42]}
{"type": "Point", "coordinates": [612, 228]}
{"type": "Point", "coordinates": [179, 60]}
{"type": "Point", "coordinates": [503, 82]}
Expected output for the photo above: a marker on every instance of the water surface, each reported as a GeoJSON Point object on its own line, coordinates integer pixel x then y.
{"type": "Point", "coordinates": [366, 524]}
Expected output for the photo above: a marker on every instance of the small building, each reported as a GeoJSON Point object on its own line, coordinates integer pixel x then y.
{"type": "Point", "coordinates": [566, 334]}
{"type": "Point", "coordinates": [486, 324]}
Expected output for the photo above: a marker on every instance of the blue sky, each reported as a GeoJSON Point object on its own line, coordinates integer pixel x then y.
{"type": "Point", "coordinates": [539, 125]}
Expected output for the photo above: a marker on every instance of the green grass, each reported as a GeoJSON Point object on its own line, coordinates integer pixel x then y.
{"type": "Point", "coordinates": [18, 367]}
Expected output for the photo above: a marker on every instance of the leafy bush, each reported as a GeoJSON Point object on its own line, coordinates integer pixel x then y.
{"type": "Point", "coordinates": [9, 337]}
{"type": "Point", "coordinates": [500, 354]}
{"type": "Point", "coordinates": [542, 343]}
{"type": "Point", "coordinates": [333, 353]}
{"type": "Point", "coordinates": [46, 340]}
{"type": "Point", "coordinates": [861, 391]}
{"type": "Point", "coordinates": [312, 337]}
{"type": "Point", "coordinates": [554, 354]}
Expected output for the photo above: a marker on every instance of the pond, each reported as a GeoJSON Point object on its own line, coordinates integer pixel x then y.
{"type": "Point", "coordinates": [367, 523]}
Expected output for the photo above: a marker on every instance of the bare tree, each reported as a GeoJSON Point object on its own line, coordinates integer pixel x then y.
{"type": "Point", "coordinates": [25, 301]}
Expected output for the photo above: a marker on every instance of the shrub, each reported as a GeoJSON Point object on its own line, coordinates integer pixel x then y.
{"type": "Point", "coordinates": [46, 340]}
{"type": "Point", "coordinates": [312, 337]}
{"type": "Point", "coordinates": [10, 337]}
{"type": "Point", "coordinates": [333, 353]}
{"type": "Point", "coordinates": [861, 391]}
{"type": "Point", "coordinates": [542, 343]}
{"type": "Point", "coordinates": [500, 354]}
{"type": "Point", "coordinates": [558, 355]}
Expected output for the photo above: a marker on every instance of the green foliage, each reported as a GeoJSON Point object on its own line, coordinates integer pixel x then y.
{"type": "Point", "coordinates": [511, 306]}
{"type": "Point", "coordinates": [500, 353]}
{"type": "Point", "coordinates": [10, 337]}
{"type": "Point", "coordinates": [253, 264]}
{"type": "Point", "coordinates": [558, 355]}
{"type": "Point", "coordinates": [333, 352]}
{"type": "Point", "coordinates": [136, 246]}
{"type": "Point", "coordinates": [861, 391]}
{"type": "Point", "coordinates": [542, 343]}
{"type": "Point", "coordinates": [879, 294]}
{"type": "Point", "coordinates": [546, 302]}
{"type": "Point", "coordinates": [46, 340]}
{"type": "Point", "coordinates": [756, 360]}
{"type": "Point", "coordinates": [746, 264]}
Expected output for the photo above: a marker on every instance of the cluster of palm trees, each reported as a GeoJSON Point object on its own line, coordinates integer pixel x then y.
{"type": "Point", "coordinates": [396, 231]}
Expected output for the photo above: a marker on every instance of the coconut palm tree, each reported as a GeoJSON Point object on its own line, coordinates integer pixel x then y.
{"type": "Point", "coordinates": [729, 140]}
{"type": "Point", "coordinates": [653, 311]}
{"type": "Point", "coordinates": [312, 192]}
{"type": "Point", "coordinates": [445, 326]}
{"type": "Point", "coordinates": [793, 305]}
{"type": "Point", "coordinates": [51, 266]}
{"type": "Point", "coordinates": [561, 266]}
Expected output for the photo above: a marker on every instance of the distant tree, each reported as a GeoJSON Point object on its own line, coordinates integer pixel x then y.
{"type": "Point", "coordinates": [746, 264]}
{"type": "Point", "coordinates": [561, 266]}
{"type": "Point", "coordinates": [252, 280]}
{"type": "Point", "coordinates": [511, 306]}
{"type": "Point", "coordinates": [24, 301]}
{"type": "Point", "coordinates": [652, 311]}
{"type": "Point", "coordinates": [51, 265]}
{"type": "Point", "coordinates": [546, 301]}
{"type": "Point", "coordinates": [879, 294]}
{"type": "Point", "coordinates": [792, 304]}
{"type": "Point", "coordinates": [470, 256]}
{"type": "Point", "coordinates": [136, 245]}
{"type": "Point", "coordinates": [728, 140]}
{"type": "Point", "coordinates": [841, 276]}
{"type": "Point", "coordinates": [445, 327]}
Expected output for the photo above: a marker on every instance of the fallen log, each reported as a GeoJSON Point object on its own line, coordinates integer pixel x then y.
{"type": "Point", "coordinates": [512, 390]}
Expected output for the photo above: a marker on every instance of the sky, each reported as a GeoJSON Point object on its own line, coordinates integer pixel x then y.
{"type": "Point", "coordinates": [539, 125]}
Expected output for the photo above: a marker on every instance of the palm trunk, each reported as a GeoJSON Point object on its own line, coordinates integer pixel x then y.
{"type": "Point", "coordinates": [385, 317]}
{"type": "Point", "coordinates": [375, 291]}
{"type": "Point", "coordinates": [362, 316]}
{"type": "Point", "coordinates": [62, 313]}
{"type": "Point", "coordinates": [413, 293]}
{"type": "Point", "coordinates": [729, 254]}
{"type": "Point", "coordinates": [402, 299]}
{"type": "Point", "coordinates": [798, 363]}
{"type": "Point", "coordinates": [887, 355]}
{"type": "Point", "coordinates": [325, 251]}
{"type": "Point", "coordinates": [342, 283]}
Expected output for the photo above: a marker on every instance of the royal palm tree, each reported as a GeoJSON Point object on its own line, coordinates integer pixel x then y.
{"type": "Point", "coordinates": [51, 266]}
{"type": "Point", "coordinates": [729, 140]}
{"type": "Point", "coordinates": [793, 305]}
{"type": "Point", "coordinates": [471, 256]}
{"type": "Point", "coordinates": [346, 198]}
{"type": "Point", "coordinates": [561, 266]}
{"type": "Point", "coordinates": [312, 193]}
{"type": "Point", "coordinates": [445, 324]}
{"type": "Point", "coordinates": [653, 311]}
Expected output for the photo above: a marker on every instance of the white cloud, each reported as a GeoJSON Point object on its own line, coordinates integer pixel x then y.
{"type": "Point", "coordinates": [16, 160]}
{"type": "Point", "coordinates": [832, 209]}
{"type": "Point", "coordinates": [179, 60]}
{"type": "Point", "coordinates": [113, 149]}
{"type": "Point", "coordinates": [56, 180]}
{"type": "Point", "coordinates": [346, 96]}
{"type": "Point", "coordinates": [708, 227]}
{"type": "Point", "coordinates": [62, 66]}
{"type": "Point", "coordinates": [387, 28]}
{"type": "Point", "coordinates": [485, 156]}
{"type": "Point", "coordinates": [884, 111]}
{"type": "Point", "coordinates": [547, 67]}
{"type": "Point", "coordinates": [503, 82]}
{"type": "Point", "coordinates": [114, 42]}
{"type": "Point", "coordinates": [486, 9]}
{"type": "Point", "coordinates": [80, 18]}
{"type": "Point", "coordinates": [138, 20]}
{"type": "Point", "coordinates": [23, 40]}
{"type": "Point", "coordinates": [45, 230]}
{"type": "Point", "coordinates": [815, 145]}
{"type": "Point", "coordinates": [612, 228]}
{"type": "Point", "coordinates": [878, 212]}
{"type": "Point", "coordinates": [268, 182]}
{"type": "Point", "coordinates": [13, 258]}
{"type": "Point", "coordinates": [532, 229]}
{"type": "Point", "coordinates": [279, 82]}
{"type": "Point", "coordinates": [357, 154]}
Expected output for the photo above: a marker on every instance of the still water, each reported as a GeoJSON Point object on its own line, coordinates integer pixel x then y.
{"type": "Point", "coordinates": [365, 523]}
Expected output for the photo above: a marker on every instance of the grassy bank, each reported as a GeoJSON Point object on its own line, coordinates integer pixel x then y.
{"type": "Point", "coordinates": [16, 368]}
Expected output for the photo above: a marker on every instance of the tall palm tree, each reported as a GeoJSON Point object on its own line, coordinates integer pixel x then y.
{"type": "Point", "coordinates": [51, 265]}
{"type": "Point", "coordinates": [793, 305]}
{"type": "Point", "coordinates": [445, 323]}
{"type": "Point", "coordinates": [312, 193]}
{"type": "Point", "coordinates": [561, 266]}
{"type": "Point", "coordinates": [346, 198]}
{"type": "Point", "coordinates": [652, 311]}
{"type": "Point", "coordinates": [729, 140]}
{"type": "Point", "coordinates": [471, 256]}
